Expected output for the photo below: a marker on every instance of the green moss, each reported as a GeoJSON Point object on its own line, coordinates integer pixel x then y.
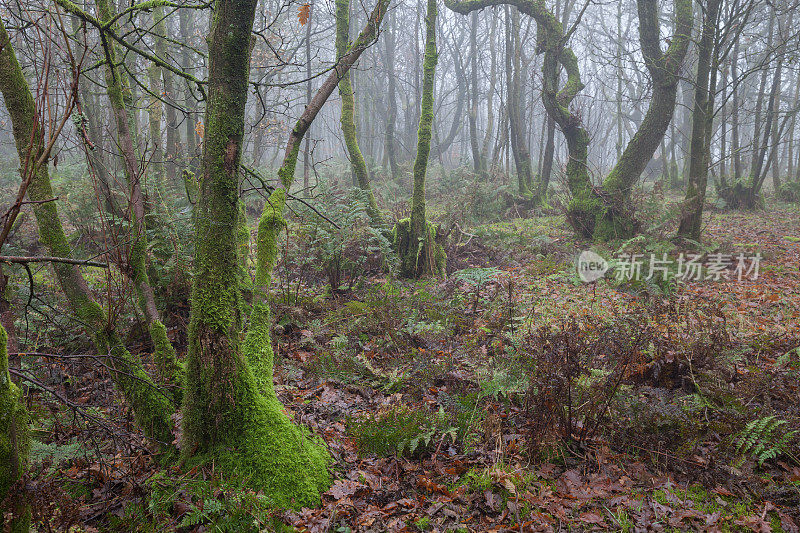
{"type": "Point", "coordinates": [418, 257]}
{"type": "Point", "coordinates": [243, 242]}
{"type": "Point", "coordinates": [270, 223]}
{"type": "Point", "coordinates": [253, 439]}
{"type": "Point", "coordinates": [191, 186]}
{"type": "Point", "coordinates": [172, 371]}
{"type": "Point", "coordinates": [232, 418]}
{"type": "Point", "coordinates": [582, 213]}
{"type": "Point", "coordinates": [14, 442]}
{"type": "Point", "coordinates": [415, 238]}
{"type": "Point", "coordinates": [348, 117]}
{"type": "Point", "coordinates": [475, 479]}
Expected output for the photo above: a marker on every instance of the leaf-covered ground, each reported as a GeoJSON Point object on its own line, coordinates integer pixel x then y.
{"type": "Point", "coordinates": [509, 397]}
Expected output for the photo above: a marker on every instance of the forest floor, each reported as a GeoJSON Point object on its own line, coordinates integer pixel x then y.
{"type": "Point", "coordinates": [509, 397]}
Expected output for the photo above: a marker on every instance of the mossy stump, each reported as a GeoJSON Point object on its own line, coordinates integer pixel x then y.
{"type": "Point", "coordinates": [418, 256]}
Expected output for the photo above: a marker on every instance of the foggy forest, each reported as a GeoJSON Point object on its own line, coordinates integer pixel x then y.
{"type": "Point", "coordinates": [368, 266]}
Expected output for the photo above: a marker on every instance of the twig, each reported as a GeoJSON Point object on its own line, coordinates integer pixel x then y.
{"type": "Point", "coordinates": [270, 188]}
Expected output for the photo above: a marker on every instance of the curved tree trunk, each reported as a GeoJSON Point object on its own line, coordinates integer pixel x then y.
{"type": "Point", "coordinates": [588, 207]}
{"type": "Point", "coordinates": [615, 219]}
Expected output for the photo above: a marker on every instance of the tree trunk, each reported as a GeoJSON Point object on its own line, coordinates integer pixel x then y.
{"type": "Point", "coordinates": [735, 143]}
{"type": "Point", "coordinates": [154, 115]}
{"type": "Point", "coordinates": [307, 150]}
{"type": "Point", "coordinates": [759, 148]}
{"type": "Point", "coordinates": [231, 414]}
{"type": "Point", "coordinates": [615, 219]}
{"type": "Point", "coordinates": [135, 264]}
{"type": "Point", "coordinates": [478, 163]}
{"type": "Point", "coordinates": [692, 216]}
{"type": "Point", "coordinates": [189, 103]}
{"type": "Point", "coordinates": [391, 95]}
{"type": "Point", "coordinates": [517, 132]}
{"type": "Point", "coordinates": [348, 117]}
{"type": "Point", "coordinates": [15, 441]}
{"type": "Point", "coordinates": [415, 237]}
{"type": "Point", "coordinates": [793, 123]}
{"type": "Point", "coordinates": [490, 95]}
{"type": "Point", "coordinates": [442, 145]}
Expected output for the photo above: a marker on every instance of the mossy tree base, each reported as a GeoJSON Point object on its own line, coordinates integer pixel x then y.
{"type": "Point", "coordinates": [418, 256]}
{"type": "Point", "coordinates": [232, 417]}
{"type": "Point", "coordinates": [266, 450]}
{"type": "Point", "coordinates": [595, 219]}
{"type": "Point", "coordinates": [740, 195]}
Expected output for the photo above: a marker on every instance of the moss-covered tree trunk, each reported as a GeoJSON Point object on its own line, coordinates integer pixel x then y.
{"type": "Point", "coordinates": [589, 206]}
{"type": "Point", "coordinates": [121, 101]}
{"type": "Point", "coordinates": [702, 117]}
{"type": "Point", "coordinates": [614, 218]}
{"type": "Point", "coordinates": [152, 408]}
{"type": "Point", "coordinates": [556, 98]}
{"type": "Point", "coordinates": [231, 413]}
{"type": "Point", "coordinates": [348, 117]}
{"type": "Point", "coordinates": [415, 237]}
{"type": "Point", "coordinates": [14, 446]}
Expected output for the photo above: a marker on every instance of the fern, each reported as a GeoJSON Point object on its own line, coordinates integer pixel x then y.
{"type": "Point", "coordinates": [477, 276]}
{"type": "Point", "coordinates": [764, 439]}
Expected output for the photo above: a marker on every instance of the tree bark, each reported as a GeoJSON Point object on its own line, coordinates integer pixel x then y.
{"type": "Point", "coordinates": [135, 264]}
{"type": "Point", "coordinates": [415, 237]}
{"type": "Point", "coordinates": [391, 95]}
{"type": "Point", "coordinates": [735, 143]}
{"type": "Point", "coordinates": [692, 217]}
{"type": "Point", "coordinates": [478, 163]}
{"type": "Point", "coordinates": [517, 129]}
{"type": "Point", "coordinates": [348, 117]}
{"type": "Point", "coordinates": [231, 414]}
{"type": "Point", "coordinates": [615, 219]}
